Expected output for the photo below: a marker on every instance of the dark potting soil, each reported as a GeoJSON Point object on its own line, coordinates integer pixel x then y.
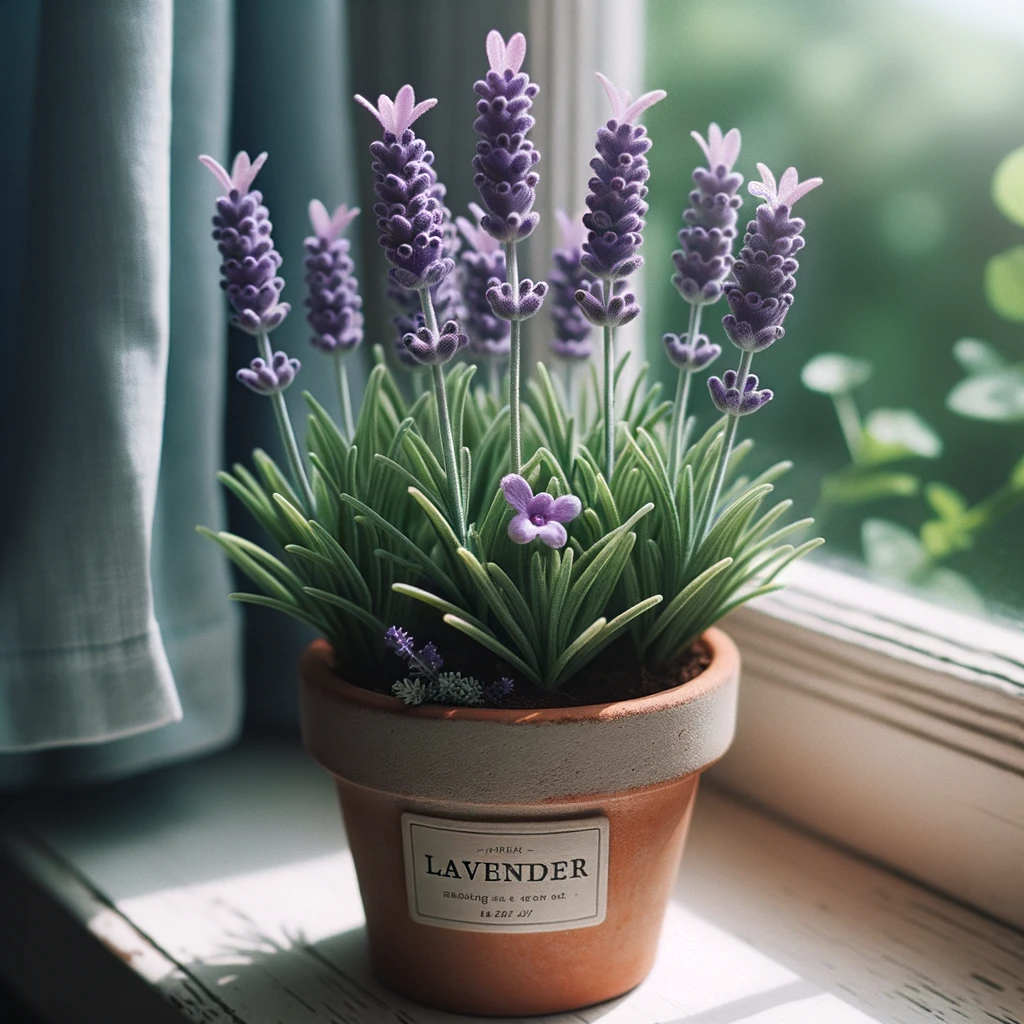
{"type": "Point", "coordinates": [613, 676]}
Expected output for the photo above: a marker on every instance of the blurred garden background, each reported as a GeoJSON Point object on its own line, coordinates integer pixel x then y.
{"type": "Point", "coordinates": [906, 108]}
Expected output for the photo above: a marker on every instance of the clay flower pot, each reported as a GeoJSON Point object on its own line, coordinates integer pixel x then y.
{"type": "Point", "coordinates": [516, 862]}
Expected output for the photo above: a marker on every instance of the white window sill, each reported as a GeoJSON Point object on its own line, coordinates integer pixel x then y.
{"type": "Point", "coordinates": [222, 891]}
{"type": "Point", "coordinates": [890, 725]}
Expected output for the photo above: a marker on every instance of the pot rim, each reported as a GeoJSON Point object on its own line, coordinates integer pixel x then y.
{"type": "Point", "coordinates": [317, 667]}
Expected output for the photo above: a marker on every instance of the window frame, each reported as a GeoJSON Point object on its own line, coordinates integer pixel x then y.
{"type": "Point", "coordinates": [909, 747]}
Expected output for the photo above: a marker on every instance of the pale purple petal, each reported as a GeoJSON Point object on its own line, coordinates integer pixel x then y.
{"type": "Point", "coordinates": [718, 149]}
{"type": "Point", "coordinates": [638, 106]}
{"type": "Point", "coordinates": [790, 196]}
{"type": "Point", "coordinates": [522, 531]}
{"type": "Point", "coordinates": [222, 176]}
{"type": "Point", "coordinates": [566, 508]}
{"type": "Point", "coordinates": [319, 218]}
{"type": "Point", "coordinates": [404, 102]}
{"type": "Point", "coordinates": [788, 180]}
{"type": "Point", "coordinates": [340, 219]}
{"type": "Point", "coordinates": [540, 505]}
{"type": "Point", "coordinates": [618, 98]}
{"type": "Point", "coordinates": [387, 112]}
{"type": "Point", "coordinates": [730, 147]}
{"type": "Point", "coordinates": [699, 139]}
{"type": "Point", "coordinates": [474, 234]}
{"type": "Point", "coordinates": [243, 173]}
{"type": "Point", "coordinates": [495, 47]}
{"type": "Point", "coordinates": [765, 188]}
{"type": "Point", "coordinates": [553, 534]}
{"type": "Point", "coordinates": [515, 53]}
{"type": "Point", "coordinates": [518, 493]}
{"type": "Point", "coordinates": [371, 108]}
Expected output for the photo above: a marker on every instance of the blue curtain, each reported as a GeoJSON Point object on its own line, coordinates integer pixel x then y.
{"type": "Point", "coordinates": [118, 649]}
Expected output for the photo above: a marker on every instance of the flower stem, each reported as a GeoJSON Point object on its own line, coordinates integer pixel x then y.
{"type": "Point", "coordinates": [682, 400]}
{"type": "Point", "coordinates": [730, 439]}
{"type": "Point", "coordinates": [849, 423]}
{"type": "Point", "coordinates": [609, 401]}
{"type": "Point", "coordinates": [284, 425]}
{"type": "Point", "coordinates": [346, 397]}
{"type": "Point", "coordinates": [444, 424]}
{"type": "Point", "coordinates": [514, 362]}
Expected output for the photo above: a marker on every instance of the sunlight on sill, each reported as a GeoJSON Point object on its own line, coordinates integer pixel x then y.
{"type": "Point", "coordinates": [273, 921]}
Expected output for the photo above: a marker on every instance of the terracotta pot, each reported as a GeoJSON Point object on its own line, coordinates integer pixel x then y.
{"type": "Point", "coordinates": [516, 862]}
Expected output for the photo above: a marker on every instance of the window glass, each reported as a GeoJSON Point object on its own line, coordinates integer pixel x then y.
{"type": "Point", "coordinates": [907, 109]}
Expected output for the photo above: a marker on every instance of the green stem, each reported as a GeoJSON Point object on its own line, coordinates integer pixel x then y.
{"type": "Point", "coordinates": [345, 395]}
{"type": "Point", "coordinates": [730, 439]}
{"type": "Point", "coordinates": [609, 400]}
{"type": "Point", "coordinates": [284, 425]}
{"type": "Point", "coordinates": [682, 401]}
{"type": "Point", "coordinates": [444, 424]}
{"type": "Point", "coordinates": [514, 362]}
{"type": "Point", "coordinates": [849, 423]}
{"type": "Point", "coordinates": [493, 376]}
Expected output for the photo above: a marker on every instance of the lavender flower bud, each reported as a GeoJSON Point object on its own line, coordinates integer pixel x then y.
{"type": "Point", "coordinates": [481, 263]}
{"type": "Point", "coordinates": [728, 399]}
{"type": "Point", "coordinates": [705, 258]}
{"type": "Point", "coordinates": [250, 262]}
{"type": "Point", "coordinates": [694, 356]}
{"type": "Point", "coordinates": [411, 218]}
{"type": "Point", "coordinates": [496, 692]}
{"type": "Point", "coordinates": [765, 270]}
{"type": "Point", "coordinates": [269, 380]}
{"type": "Point", "coordinates": [618, 310]}
{"type": "Point", "coordinates": [508, 306]}
{"type": "Point", "coordinates": [572, 329]}
{"type": "Point", "coordinates": [408, 316]}
{"type": "Point", "coordinates": [434, 349]}
{"type": "Point", "coordinates": [505, 158]}
{"type": "Point", "coordinates": [616, 200]}
{"type": "Point", "coordinates": [398, 640]}
{"type": "Point", "coordinates": [333, 301]}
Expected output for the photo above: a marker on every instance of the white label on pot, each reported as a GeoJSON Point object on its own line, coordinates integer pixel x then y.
{"type": "Point", "coordinates": [516, 876]}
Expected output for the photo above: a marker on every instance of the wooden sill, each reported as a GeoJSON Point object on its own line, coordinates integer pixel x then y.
{"type": "Point", "coordinates": [223, 891]}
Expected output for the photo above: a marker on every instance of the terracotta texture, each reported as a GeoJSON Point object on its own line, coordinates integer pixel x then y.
{"type": "Point", "coordinates": [637, 763]}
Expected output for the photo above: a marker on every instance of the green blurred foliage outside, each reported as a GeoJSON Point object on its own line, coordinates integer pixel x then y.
{"type": "Point", "coordinates": [905, 108]}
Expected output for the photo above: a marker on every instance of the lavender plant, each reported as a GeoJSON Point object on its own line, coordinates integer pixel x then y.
{"type": "Point", "coordinates": [539, 531]}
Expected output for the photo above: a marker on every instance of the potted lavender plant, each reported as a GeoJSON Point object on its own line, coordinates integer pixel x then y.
{"type": "Point", "coordinates": [515, 804]}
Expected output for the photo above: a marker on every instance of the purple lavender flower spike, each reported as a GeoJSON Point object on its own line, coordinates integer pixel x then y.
{"type": "Point", "coordinates": [616, 201]}
{"type": "Point", "coordinates": [408, 312]}
{"type": "Point", "coordinates": [765, 271]}
{"type": "Point", "coordinates": [704, 258]}
{"type": "Point", "coordinates": [249, 260]}
{"type": "Point", "coordinates": [538, 515]}
{"type": "Point", "coordinates": [692, 356]}
{"type": "Point", "coordinates": [335, 307]}
{"type": "Point", "coordinates": [272, 379]}
{"type": "Point", "coordinates": [572, 330]}
{"type": "Point", "coordinates": [505, 158]}
{"type": "Point", "coordinates": [398, 640]}
{"type": "Point", "coordinates": [480, 263]}
{"type": "Point", "coordinates": [411, 217]}
{"type": "Point", "coordinates": [434, 349]}
{"type": "Point", "coordinates": [728, 398]}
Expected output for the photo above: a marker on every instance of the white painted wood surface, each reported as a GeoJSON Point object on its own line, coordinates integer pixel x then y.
{"type": "Point", "coordinates": [223, 892]}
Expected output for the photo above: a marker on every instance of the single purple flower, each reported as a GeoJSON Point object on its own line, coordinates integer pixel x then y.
{"type": "Point", "coordinates": [496, 692]}
{"type": "Point", "coordinates": [728, 398]}
{"type": "Point", "coordinates": [411, 218]}
{"type": "Point", "coordinates": [335, 307]}
{"type": "Point", "coordinates": [435, 348]}
{"type": "Point", "coordinates": [704, 258]}
{"type": "Point", "coordinates": [616, 200]}
{"type": "Point", "coordinates": [508, 305]}
{"type": "Point", "coordinates": [250, 262]}
{"type": "Point", "coordinates": [505, 158]}
{"type": "Point", "coordinates": [538, 515]}
{"type": "Point", "coordinates": [764, 273]}
{"type": "Point", "coordinates": [480, 263]}
{"type": "Point", "coordinates": [692, 356]}
{"type": "Point", "coordinates": [272, 379]}
{"type": "Point", "coordinates": [572, 330]}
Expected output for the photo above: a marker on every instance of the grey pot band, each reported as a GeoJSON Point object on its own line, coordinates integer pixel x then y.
{"type": "Point", "coordinates": [508, 758]}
